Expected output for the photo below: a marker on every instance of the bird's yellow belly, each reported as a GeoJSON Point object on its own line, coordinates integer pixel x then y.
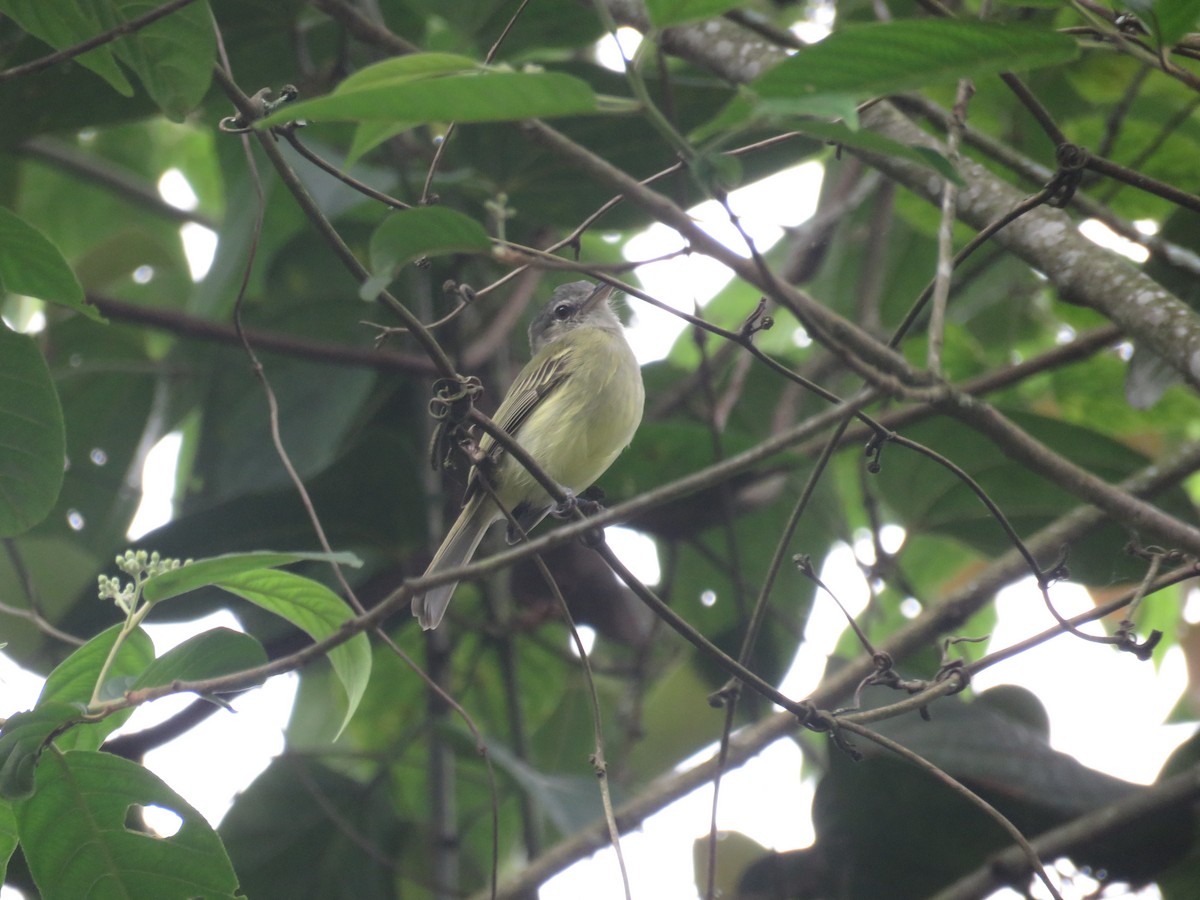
{"type": "Point", "coordinates": [577, 442]}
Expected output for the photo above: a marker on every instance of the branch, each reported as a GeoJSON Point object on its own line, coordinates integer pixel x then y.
{"type": "Point", "coordinates": [884, 367]}
{"type": "Point", "coordinates": [127, 185]}
{"type": "Point", "coordinates": [193, 327]}
{"type": "Point", "coordinates": [365, 29]}
{"type": "Point", "coordinates": [1023, 448]}
{"type": "Point", "coordinates": [941, 618]}
{"type": "Point", "coordinates": [1006, 867]}
{"type": "Point", "coordinates": [1048, 241]}
{"type": "Point", "coordinates": [1037, 174]}
{"type": "Point", "coordinates": [250, 111]}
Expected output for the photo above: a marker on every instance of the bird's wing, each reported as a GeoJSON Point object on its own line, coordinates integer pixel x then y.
{"type": "Point", "coordinates": [536, 382]}
{"type": "Point", "coordinates": [532, 386]}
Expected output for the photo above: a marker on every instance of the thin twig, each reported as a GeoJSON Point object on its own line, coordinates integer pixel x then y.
{"type": "Point", "coordinates": [441, 147]}
{"type": "Point", "coordinates": [945, 236]}
{"type": "Point", "coordinates": [599, 765]}
{"type": "Point", "coordinates": [941, 618]}
{"type": "Point", "coordinates": [33, 612]}
{"type": "Point", "coordinates": [267, 143]}
{"type": "Point", "coordinates": [193, 327]}
{"type": "Point", "coordinates": [97, 170]}
{"type": "Point", "coordinates": [327, 231]}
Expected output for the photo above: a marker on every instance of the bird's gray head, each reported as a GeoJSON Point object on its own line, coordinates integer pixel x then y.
{"type": "Point", "coordinates": [572, 306]}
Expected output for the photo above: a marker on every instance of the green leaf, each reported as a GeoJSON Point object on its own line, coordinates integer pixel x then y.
{"type": "Point", "coordinates": [745, 109]}
{"type": "Point", "coordinates": [203, 572]}
{"type": "Point", "coordinates": [315, 609]}
{"type": "Point", "coordinates": [484, 96]}
{"type": "Point", "coordinates": [76, 842]}
{"type": "Point", "coordinates": [1167, 21]}
{"type": "Point", "coordinates": [664, 13]}
{"type": "Point", "coordinates": [31, 265]}
{"type": "Point", "coordinates": [173, 56]}
{"type": "Point", "coordinates": [889, 57]}
{"type": "Point", "coordinates": [8, 836]}
{"type": "Point", "coordinates": [65, 23]}
{"type": "Point", "coordinates": [25, 735]}
{"type": "Point", "coordinates": [838, 133]}
{"type": "Point", "coordinates": [569, 801]}
{"type": "Point", "coordinates": [74, 679]}
{"type": "Point", "coordinates": [369, 135]}
{"type": "Point", "coordinates": [411, 67]}
{"type": "Point", "coordinates": [211, 654]}
{"type": "Point", "coordinates": [928, 497]}
{"type": "Point", "coordinates": [415, 233]}
{"type": "Point", "coordinates": [300, 809]}
{"type": "Point", "coordinates": [32, 438]}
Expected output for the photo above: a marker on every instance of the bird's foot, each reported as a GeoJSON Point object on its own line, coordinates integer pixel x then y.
{"type": "Point", "coordinates": [566, 509]}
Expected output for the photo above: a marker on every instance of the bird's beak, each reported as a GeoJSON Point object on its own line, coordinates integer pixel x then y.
{"type": "Point", "coordinates": [596, 297]}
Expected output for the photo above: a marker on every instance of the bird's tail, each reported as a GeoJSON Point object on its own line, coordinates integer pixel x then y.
{"type": "Point", "coordinates": [456, 550]}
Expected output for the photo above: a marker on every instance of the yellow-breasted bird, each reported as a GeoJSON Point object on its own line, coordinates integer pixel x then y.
{"type": "Point", "coordinates": [573, 408]}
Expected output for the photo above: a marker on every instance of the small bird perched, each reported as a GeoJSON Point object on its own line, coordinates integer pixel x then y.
{"type": "Point", "coordinates": [573, 408]}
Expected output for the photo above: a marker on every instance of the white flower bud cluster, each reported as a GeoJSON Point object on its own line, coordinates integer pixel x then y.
{"type": "Point", "coordinates": [139, 565]}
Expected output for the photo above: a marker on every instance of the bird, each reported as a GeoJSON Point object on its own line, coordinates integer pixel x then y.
{"type": "Point", "coordinates": [573, 408]}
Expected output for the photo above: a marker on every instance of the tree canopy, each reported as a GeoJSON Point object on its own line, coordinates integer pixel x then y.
{"type": "Point", "coordinates": [395, 187]}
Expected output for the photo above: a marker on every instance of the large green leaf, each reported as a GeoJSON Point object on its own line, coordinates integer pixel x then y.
{"type": "Point", "coordinates": [74, 680]}
{"type": "Point", "coordinates": [838, 133]}
{"type": "Point", "coordinates": [8, 836]}
{"type": "Point", "coordinates": [32, 442]}
{"type": "Point", "coordinates": [1168, 22]}
{"type": "Point", "coordinates": [106, 384]}
{"type": "Point", "coordinates": [928, 497]}
{"type": "Point", "coordinates": [30, 264]}
{"type": "Point", "coordinates": [173, 57]}
{"type": "Point", "coordinates": [77, 844]}
{"type": "Point", "coordinates": [997, 746]}
{"type": "Point", "coordinates": [66, 23]}
{"type": "Point", "coordinates": [410, 67]}
{"type": "Point", "coordinates": [301, 809]}
{"type": "Point", "coordinates": [202, 572]}
{"type": "Point", "coordinates": [482, 96]}
{"type": "Point", "coordinates": [889, 57]}
{"type": "Point", "coordinates": [318, 611]}
{"type": "Point", "coordinates": [318, 407]}
{"type": "Point", "coordinates": [210, 654]}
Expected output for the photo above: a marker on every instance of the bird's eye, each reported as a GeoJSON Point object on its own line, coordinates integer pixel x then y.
{"type": "Point", "coordinates": [563, 311]}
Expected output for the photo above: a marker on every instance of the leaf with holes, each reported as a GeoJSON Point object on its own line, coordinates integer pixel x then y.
{"type": "Point", "coordinates": [75, 839]}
